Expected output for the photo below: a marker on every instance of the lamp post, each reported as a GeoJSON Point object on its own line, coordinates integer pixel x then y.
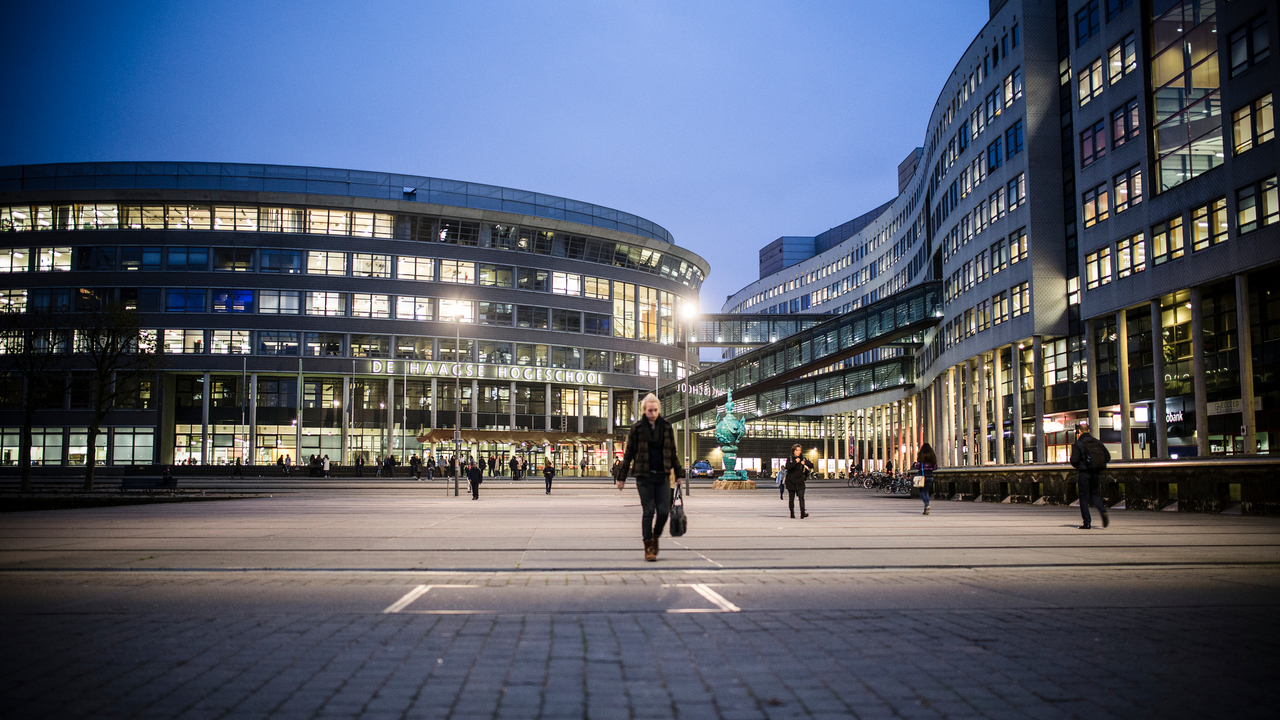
{"type": "Point", "coordinates": [457, 403]}
{"type": "Point", "coordinates": [690, 316]}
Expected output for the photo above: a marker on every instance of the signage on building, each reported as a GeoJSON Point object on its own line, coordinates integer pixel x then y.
{"type": "Point", "coordinates": [1173, 417]}
{"type": "Point", "coordinates": [1229, 407]}
{"type": "Point", "coordinates": [418, 368]}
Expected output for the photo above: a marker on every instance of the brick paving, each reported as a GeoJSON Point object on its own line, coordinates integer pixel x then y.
{"type": "Point", "coordinates": [1192, 633]}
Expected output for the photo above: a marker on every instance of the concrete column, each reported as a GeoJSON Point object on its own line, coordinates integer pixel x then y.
{"type": "Point", "coordinates": [206, 452]}
{"type": "Point", "coordinates": [1037, 350]}
{"type": "Point", "coordinates": [1122, 345]}
{"type": "Point", "coordinates": [391, 417]}
{"type": "Point", "coordinates": [952, 399]}
{"type": "Point", "coordinates": [1197, 373]}
{"type": "Point", "coordinates": [511, 408]}
{"type": "Point", "coordinates": [345, 456]}
{"type": "Point", "coordinates": [1244, 344]}
{"type": "Point", "coordinates": [966, 415]}
{"type": "Point", "coordinates": [297, 431]}
{"type": "Point", "coordinates": [1158, 420]}
{"type": "Point", "coordinates": [548, 409]}
{"type": "Point", "coordinates": [1015, 357]}
{"type": "Point", "coordinates": [825, 433]}
{"type": "Point", "coordinates": [984, 450]}
{"type": "Point", "coordinates": [997, 379]}
{"type": "Point", "coordinates": [475, 405]}
{"type": "Point", "coordinates": [435, 402]}
{"type": "Point", "coordinates": [1091, 360]}
{"type": "Point", "coordinates": [253, 418]}
{"type": "Point", "coordinates": [582, 404]}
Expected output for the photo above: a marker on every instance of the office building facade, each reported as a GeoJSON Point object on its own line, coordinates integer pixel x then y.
{"type": "Point", "coordinates": [1096, 195]}
{"type": "Point", "coordinates": [311, 311]}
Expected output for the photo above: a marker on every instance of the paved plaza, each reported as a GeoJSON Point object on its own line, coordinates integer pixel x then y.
{"type": "Point", "coordinates": [403, 602]}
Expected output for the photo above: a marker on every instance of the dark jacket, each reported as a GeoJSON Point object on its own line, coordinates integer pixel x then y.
{"type": "Point", "coordinates": [636, 458]}
{"type": "Point", "coordinates": [474, 475]}
{"type": "Point", "coordinates": [1078, 454]}
{"type": "Point", "coordinates": [795, 471]}
{"type": "Point", "coordinates": [548, 472]}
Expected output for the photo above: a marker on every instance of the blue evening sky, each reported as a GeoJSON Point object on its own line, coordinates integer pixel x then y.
{"type": "Point", "coordinates": [728, 123]}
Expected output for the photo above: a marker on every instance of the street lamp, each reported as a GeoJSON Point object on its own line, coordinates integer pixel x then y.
{"type": "Point", "coordinates": [457, 402]}
{"type": "Point", "coordinates": [690, 310]}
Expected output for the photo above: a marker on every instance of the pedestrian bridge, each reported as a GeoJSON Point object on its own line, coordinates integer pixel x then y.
{"type": "Point", "coordinates": [808, 368]}
{"type": "Point", "coordinates": [749, 330]}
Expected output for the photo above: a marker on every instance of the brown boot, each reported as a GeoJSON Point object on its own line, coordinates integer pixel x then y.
{"type": "Point", "coordinates": [650, 551]}
{"type": "Point", "coordinates": [655, 548]}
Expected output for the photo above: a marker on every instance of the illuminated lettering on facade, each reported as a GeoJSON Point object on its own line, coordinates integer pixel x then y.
{"type": "Point", "coordinates": [481, 372]}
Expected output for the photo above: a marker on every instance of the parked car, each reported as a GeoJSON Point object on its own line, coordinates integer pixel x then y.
{"type": "Point", "coordinates": [702, 468]}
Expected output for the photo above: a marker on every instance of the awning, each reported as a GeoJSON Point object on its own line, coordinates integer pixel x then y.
{"type": "Point", "coordinates": [509, 437]}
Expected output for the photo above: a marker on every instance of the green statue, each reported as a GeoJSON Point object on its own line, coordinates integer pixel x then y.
{"type": "Point", "coordinates": [729, 430]}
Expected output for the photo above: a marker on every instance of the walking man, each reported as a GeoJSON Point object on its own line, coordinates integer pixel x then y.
{"type": "Point", "coordinates": [359, 466]}
{"type": "Point", "coordinates": [515, 468]}
{"type": "Point", "coordinates": [474, 478]}
{"type": "Point", "coordinates": [1089, 457]}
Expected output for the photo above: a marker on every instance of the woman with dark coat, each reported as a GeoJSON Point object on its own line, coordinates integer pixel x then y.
{"type": "Point", "coordinates": [796, 469]}
{"type": "Point", "coordinates": [926, 463]}
{"type": "Point", "coordinates": [651, 452]}
{"type": "Point", "coordinates": [549, 473]}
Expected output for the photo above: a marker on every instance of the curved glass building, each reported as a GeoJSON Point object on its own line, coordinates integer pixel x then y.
{"type": "Point", "coordinates": [312, 311]}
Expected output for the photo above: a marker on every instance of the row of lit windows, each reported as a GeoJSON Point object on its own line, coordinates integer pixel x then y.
{"type": "Point", "coordinates": [1002, 254]}
{"type": "Point", "coordinates": [289, 262]}
{"type": "Point", "coordinates": [324, 221]}
{"type": "Point", "coordinates": [1000, 308]}
{"type": "Point", "coordinates": [296, 302]}
{"type": "Point", "coordinates": [1127, 187]}
{"type": "Point", "coordinates": [985, 214]}
{"type": "Point", "coordinates": [292, 343]}
{"type": "Point", "coordinates": [1256, 207]}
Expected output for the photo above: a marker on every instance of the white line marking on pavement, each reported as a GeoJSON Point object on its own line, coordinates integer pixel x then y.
{"type": "Point", "coordinates": [414, 594]}
{"type": "Point", "coordinates": [721, 605]}
{"type": "Point", "coordinates": [715, 597]}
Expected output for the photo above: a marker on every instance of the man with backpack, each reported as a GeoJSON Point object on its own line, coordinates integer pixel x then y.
{"type": "Point", "coordinates": [1089, 457]}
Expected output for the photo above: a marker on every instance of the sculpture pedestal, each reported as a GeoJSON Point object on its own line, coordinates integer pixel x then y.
{"type": "Point", "coordinates": [733, 485]}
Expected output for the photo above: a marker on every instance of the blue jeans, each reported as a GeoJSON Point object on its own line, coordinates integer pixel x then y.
{"type": "Point", "coordinates": [924, 491]}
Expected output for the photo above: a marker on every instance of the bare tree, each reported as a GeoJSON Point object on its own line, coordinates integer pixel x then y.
{"type": "Point", "coordinates": [34, 343]}
{"type": "Point", "coordinates": [107, 340]}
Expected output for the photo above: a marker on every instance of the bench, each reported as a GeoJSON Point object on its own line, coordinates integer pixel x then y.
{"type": "Point", "coordinates": [148, 483]}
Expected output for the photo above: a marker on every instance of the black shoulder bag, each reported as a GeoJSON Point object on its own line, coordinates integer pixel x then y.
{"type": "Point", "coordinates": [678, 520]}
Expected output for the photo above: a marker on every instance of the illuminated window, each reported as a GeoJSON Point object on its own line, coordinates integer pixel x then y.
{"type": "Point", "coordinates": [566, 283]}
{"type": "Point", "coordinates": [415, 268]}
{"type": "Point", "coordinates": [409, 307]}
{"type": "Point", "coordinates": [326, 303]}
{"type": "Point", "coordinates": [1131, 255]}
{"type": "Point", "coordinates": [457, 271]}
{"type": "Point", "coordinates": [1094, 205]}
{"type": "Point", "coordinates": [1128, 188]}
{"type": "Point", "coordinates": [1166, 241]}
{"type": "Point", "coordinates": [326, 263]}
{"type": "Point", "coordinates": [370, 306]}
{"type": "Point", "coordinates": [1090, 82]}
{"type": "Point", "coordinates": [1097, 269]}
{"type": "Point", "coordinates": [1253, 124]}
{"type": "Point", "coordinates": [1209, 224]}
{"type": "Point", "coordinates": [368, 265]}
{"type": "Point", "coordinates": [1122, 58]}
{"type": "Point", "coordinates": [1256, 205]}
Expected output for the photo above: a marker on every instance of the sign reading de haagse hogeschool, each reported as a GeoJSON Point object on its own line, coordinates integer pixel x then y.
{"type": "Point", "coordinates": [482, 372]}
